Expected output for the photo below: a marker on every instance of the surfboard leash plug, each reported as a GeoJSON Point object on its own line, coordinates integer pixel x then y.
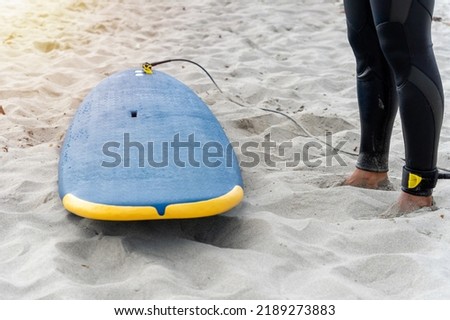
{"type": "Point", "coordinates": [147, 67]}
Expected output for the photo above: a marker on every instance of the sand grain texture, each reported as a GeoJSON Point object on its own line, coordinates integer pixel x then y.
{"type": "Point", "coordinates": [293, 237]}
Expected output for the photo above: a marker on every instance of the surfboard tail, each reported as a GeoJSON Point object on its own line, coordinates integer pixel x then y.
{"type": "Point", "coordinates": [188, 210]}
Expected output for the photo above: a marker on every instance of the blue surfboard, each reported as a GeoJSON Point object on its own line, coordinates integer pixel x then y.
{"type": "Point", "coordinates": [145, 146]}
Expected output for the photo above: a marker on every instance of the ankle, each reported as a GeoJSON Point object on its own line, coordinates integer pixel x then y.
{"type": "Point", "coordinates": [418, 201]}
{"type": "Point", "coordinates": [407, 203]}
{"type": "Point", "coordinates": [367, 179]}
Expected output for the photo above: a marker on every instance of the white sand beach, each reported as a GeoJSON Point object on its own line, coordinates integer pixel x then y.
{"type": "Point", "coordinates": [294, 236]}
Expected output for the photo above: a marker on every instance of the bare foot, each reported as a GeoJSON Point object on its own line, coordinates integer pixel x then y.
{"type": "Point", "coordinates": [407, 203]}
{"type": "Point", "coordinates": [367, 179]}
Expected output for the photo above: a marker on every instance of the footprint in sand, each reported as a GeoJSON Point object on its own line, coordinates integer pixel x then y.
{"type": "Point", "coordinates": [258, 124]}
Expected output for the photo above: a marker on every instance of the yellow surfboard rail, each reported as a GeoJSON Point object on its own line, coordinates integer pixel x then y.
{"type": "Point", "coordinates": [186, 210]}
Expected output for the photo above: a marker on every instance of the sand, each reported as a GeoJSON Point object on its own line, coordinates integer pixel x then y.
{"type": "Point", "coordinates": [294, 236]}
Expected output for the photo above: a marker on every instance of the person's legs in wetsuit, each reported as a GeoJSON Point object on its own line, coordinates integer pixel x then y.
{"type": "Point", "coordinates": [394, 37]}
{"type": "Point", "coordinates": [377, 97]}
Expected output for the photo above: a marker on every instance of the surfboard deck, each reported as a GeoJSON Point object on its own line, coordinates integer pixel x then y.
{"type": "Point", "coordinates": [144, 147]}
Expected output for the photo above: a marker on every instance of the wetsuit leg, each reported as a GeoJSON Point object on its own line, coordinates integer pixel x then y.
{"type": "Point", "coordinates": [404, 31]}
{"type": "Point", "coordinates": [377, 98]}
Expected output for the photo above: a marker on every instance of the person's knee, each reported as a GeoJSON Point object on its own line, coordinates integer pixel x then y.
{"type": "Point", "coordinates": [367, 51]}
{"type": "Point", "coordinates": [356, 44]}
{"type": "Point", "coordinates": [394, 44]}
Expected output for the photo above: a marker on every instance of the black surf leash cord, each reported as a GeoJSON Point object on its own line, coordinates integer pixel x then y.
{"type": "Point", "coordinates": [442, 175]}
{"type": "Point", "coordinates": [147, 67]}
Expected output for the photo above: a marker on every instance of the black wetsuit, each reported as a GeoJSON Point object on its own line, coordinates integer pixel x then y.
{"type": "Point", "coordinates": [391, 40]}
